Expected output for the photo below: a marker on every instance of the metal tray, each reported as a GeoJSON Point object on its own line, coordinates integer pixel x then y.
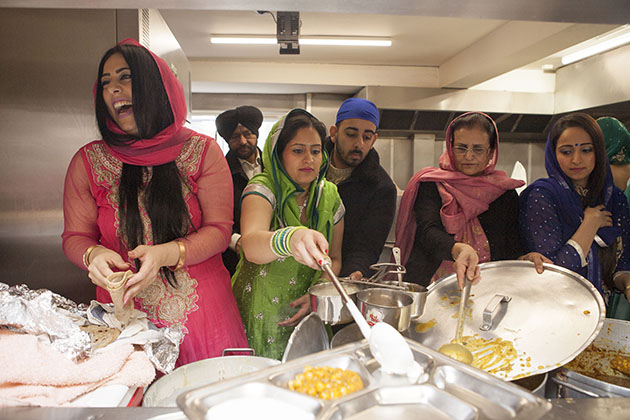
{"type": "Point", "coordinates": [549, 320]}
{"type": "Point", "coordinates": [446, 390]}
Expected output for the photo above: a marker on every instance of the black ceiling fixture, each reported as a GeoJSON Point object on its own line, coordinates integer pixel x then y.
{"type": "Point", "coordinates": [288, 32]}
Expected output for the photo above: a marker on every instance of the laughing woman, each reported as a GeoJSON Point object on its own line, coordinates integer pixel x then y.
{"type": "Point", "coordinates": [291, 218]}
{"type": "Point", "coordinates": [154, 197]}
{"type": "Point", "coordinates": [577, 217]}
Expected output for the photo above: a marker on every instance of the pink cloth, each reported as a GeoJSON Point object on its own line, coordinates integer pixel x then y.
{"type": "Point", "coordinates": [34, 373]}
{"type": "Point", "coordinates": [203, 304]}
{"type": "Point", "coordinates": [463, 199]}
{"type": "Point", "coordinates": [165, 145]}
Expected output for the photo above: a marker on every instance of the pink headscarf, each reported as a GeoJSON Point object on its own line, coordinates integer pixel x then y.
{"type": "Point", "coordinates": [463, 199]}
{"type": "Point", "coordinates": [165, 145]}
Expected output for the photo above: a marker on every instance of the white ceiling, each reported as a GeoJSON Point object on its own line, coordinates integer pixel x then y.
{"type": "Point", "coordinates": [436, 43]}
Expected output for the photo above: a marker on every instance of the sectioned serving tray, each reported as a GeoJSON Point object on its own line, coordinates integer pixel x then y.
{"type": "Point", "coordinates": [446, 390]}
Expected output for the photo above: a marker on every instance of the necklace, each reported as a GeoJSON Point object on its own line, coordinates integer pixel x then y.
{"type": "Point", "coordinates": [302, 207]}
{"type": "Point", "coordinates": [582, 191]}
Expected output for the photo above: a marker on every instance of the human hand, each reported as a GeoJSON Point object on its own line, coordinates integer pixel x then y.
{"type": "Point", "coordinates": [466, 264]}
{"type": "Point", "coordinates": [357, 275]}
{"type": "Point", "coordinates": [152, 258]}
{"type": "Point", "coordinates": [102, 261]}
{"type": "Point", "coordinates": [598, 216]}
{"type": "Point", "coordinates": [537, 258]}
{"type": "Point", "coordinates": [309, 247]}
{"type": "Point", "coordinates": [304, 302]}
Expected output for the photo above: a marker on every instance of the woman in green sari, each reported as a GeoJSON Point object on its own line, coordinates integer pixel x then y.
{"type": "Point", "coordinates": [291, 219]}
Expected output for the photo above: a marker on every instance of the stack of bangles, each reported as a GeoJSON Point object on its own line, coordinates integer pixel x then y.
{"type": "Point", "coordinates": [280, 241]}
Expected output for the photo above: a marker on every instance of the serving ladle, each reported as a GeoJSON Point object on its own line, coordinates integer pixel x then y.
{"type": "Point", "coordinates": [456, 349]}
{"type": "Point", "coordinates": [388, 347]}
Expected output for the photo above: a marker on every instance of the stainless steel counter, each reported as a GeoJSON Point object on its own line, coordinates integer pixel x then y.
{"type": "Point", "coordinates": [574, 409]}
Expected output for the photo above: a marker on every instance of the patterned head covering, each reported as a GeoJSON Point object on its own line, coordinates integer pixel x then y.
{"type": "Point", "coordinates": [617, 140]}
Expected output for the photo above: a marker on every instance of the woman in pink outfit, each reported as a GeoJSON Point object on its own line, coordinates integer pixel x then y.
{"type": "Point", "coordinates": [154, 197]}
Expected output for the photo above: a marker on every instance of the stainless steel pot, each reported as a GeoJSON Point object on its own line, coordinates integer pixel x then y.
{"type": "Point", "coordinates": [327, 303]}
{"type": "Point", "coordinates": [590, 374]}
{"type": "Point", "coordinates": [417, 292]}
{"type": "Point", "coordinates": [386, 305]}
{"type": "Point", "coordinates": [164, 391]}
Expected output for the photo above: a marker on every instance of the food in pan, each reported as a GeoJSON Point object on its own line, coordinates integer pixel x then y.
{"type": "Point", "coordinates": [621, 364]}
{"type": "Point", "coordinates": [326, 382]}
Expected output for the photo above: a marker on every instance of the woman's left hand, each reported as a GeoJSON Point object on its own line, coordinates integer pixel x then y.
{"type": "Point", "coordinates": [537, 258]}
{"type": "Point", "coordinates": [152, 258]}
{"type": "Point", "coordinates": [304, 302]}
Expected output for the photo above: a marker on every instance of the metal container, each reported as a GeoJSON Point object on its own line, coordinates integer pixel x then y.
{"type": "Point", "coordinates": [164, 391]}
{"type": "Point", "coordinates": [327, 303]}
{"type": "Point", "coordinates": [590, 373]}
{"type": "Point", "coordinates": [547, 318]}
{"type": "Point", "coordinates": [386, 305]}
{"type": "Point", "coordinates": [417, 292]}
{"type": "Point", "coordinates": [446, 390]}
{"type": "Point", "coordinates": [308, 337]}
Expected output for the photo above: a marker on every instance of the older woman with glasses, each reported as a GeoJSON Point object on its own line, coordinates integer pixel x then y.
{"type": "Point", "coordinates": [465, 212]}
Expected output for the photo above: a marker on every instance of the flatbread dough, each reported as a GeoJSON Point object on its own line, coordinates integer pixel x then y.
{"type": "Point", "coordinates": [101, 336]}
{"type": "Point", "coordinates": [116, 286]}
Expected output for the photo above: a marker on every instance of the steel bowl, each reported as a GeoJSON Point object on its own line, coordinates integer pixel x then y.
{"type": "Point", "coordinates": [386, 305]}
{"type": "Point", "coordinates": [417, 292]}
{"type": "Point", "coordinates": [327, 303]}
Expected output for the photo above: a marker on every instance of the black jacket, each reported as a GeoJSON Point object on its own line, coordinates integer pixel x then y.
{"type": "Point", "coordinates": [432, 243]}
{"type": "Point", "coordinates": [239, 182]}
{"type": "Point", "coordinates": [369, 196]}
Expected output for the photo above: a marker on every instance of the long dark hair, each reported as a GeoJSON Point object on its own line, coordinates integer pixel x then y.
{"type": "Point", "coordinates": [597, 178]}
{"type": "Point", "coordinates": [163, 195]}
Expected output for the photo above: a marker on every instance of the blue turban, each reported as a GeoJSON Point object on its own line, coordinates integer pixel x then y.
{"type": "Point", "coordinates": [357, 108]}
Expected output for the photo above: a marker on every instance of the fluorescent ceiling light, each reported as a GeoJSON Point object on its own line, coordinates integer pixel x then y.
{"type": "Point", "coordinates": [605, 45]}
{"type": "Point", "coordinates": [262, 40]}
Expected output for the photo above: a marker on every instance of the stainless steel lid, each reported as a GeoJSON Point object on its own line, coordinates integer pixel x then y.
{"type": "Point", "coordinates": [548, 318]}
{"type": "Point", "coordinates": [308, 337]}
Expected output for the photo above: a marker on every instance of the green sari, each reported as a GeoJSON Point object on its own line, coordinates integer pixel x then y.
{"type": "Point", "coordinates": [263, 291]}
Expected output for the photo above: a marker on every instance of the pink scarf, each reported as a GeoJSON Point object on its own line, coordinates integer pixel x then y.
{"type": "Point", "coordinates": [463, 199]}
{"type": "Point", "coordinates": [165, 145]}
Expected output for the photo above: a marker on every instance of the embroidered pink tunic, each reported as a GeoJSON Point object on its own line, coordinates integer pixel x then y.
{"type": "Point", "coordinates": [203, 304]}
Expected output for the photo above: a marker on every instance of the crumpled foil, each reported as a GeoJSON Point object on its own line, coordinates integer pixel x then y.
{"type": "Point", "coordinates": [164, 353]}
{"type": "Point", "coordinates": [45, 314]}
{"type": "Point", "coordinates": [57, 319]}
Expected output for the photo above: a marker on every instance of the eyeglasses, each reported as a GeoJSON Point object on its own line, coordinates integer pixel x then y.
{"type": "Point", "coordinates": [476, 150]}
{"type": "Point", "coordinates": [247, 134]}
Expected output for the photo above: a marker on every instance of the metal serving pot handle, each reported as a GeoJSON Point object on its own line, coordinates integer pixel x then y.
{"type": "Point", "coordinates": [239, 350]}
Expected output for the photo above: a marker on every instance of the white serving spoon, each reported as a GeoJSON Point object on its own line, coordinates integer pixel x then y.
{"type": "Point", "coordinates": [388, 347]}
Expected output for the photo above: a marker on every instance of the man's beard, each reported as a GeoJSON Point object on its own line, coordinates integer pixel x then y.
{"type": "Point", "coordinates": [245, 152]}
{"type": "Point", "coordinates": [352, 161]}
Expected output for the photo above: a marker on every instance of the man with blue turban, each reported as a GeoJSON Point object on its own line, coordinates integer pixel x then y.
{"type": "Point", "coordinates": [367, 191]}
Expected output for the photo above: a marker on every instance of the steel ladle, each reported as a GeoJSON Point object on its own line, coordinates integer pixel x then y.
{"type": "Point", "coordinates": [388, 347]}
{"type": "Point", "coordinates": [456, 349]}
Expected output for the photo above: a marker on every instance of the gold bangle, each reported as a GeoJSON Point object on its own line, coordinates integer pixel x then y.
{"type": "Point", "coordinates": [86, 256]}
{"type": "Point", "coordinates": [182, 256]}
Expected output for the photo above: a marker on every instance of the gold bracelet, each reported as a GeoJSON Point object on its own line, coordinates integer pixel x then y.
{"type": "Point", "coordinates": [86, 256]}
{"type": "Point", "coordinates": [182, 256]}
